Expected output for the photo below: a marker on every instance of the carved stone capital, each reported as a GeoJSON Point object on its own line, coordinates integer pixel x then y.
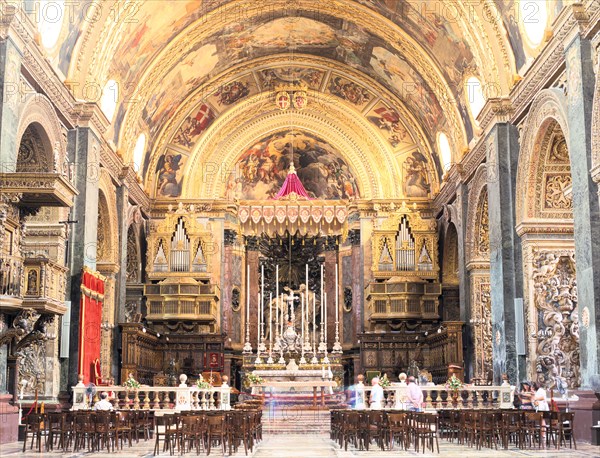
{"type": "Point", "coordinates": [229, 237]}
{"type": "Point", "coordinates": [251, 243]}
{"type": "Point", "coordinates": [354, 237]}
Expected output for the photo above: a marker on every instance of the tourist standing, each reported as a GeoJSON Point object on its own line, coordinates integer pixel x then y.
{"type": "Point", "coordinates": [376, 395]}
{"type": "Point", "coordinates": [414, 396]}
{"type": "Point", "coordinates": [526, 396]}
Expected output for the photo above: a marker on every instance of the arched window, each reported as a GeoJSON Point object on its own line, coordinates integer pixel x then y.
{"type": "Point", "coordinates": [110, 98]}
{"type": "Point", "coordinates": [445, 151]}
{"type": "Point", "coordinates": [475, 97]}
{"type": "Point", "coordinates": [49, 16]}
{"type": "Point", "coordinates": [138, 153]}
{"type": "Point", "coordinates": [534, 18]}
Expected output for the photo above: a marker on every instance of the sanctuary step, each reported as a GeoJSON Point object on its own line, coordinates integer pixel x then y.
{"type": "Point", "coordinates": [289, 419]}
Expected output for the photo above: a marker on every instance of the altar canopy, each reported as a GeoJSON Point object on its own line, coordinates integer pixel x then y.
{"type": "Point", "coordinates": [90, 318]}
{"type": "Point", "coordinates": [292, 187]}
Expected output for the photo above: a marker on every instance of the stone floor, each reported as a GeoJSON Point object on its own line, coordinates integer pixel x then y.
{"type": "Point", "coordinates": [316, 446]}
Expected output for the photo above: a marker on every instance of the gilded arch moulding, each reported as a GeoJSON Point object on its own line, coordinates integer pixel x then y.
{"type": "Point", "coordinates": [228, 137]}
{"type": "Point", "coordinates": [477, 192]}
{"type": "Point", "coordinates": [550, 105]}
{"type": "Point", "coordinates": [39, 110]}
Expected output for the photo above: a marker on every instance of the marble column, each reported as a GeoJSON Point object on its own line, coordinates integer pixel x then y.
{"type": "Point", "coordinates": [252, 260]}
{"type": "Point", "coordinates": [83, 149]}
{"type": "Point", "coordinates": [229, 237]}
{"type": "Point", "coordinates": [586, 212]}
{"type": "Point", "coordinates": [506, 279]}
{"type": "Point", "coordinates": [10, 98]}
{"type": "Point", "coordinates": [464, 291]}
{"type": "Point", "coordinates": [121, 276]}
{"type": "Point", "coordinates": [331, 258]}
{"type": "Point", "coordinates": [357, 293]}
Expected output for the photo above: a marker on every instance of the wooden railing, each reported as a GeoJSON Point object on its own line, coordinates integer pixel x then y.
{"type": "Point", "coordinates": [436, 397]}
{"type": "Point", "coordinates": [157, 398]}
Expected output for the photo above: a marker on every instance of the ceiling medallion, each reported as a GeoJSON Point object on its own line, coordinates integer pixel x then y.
{"type": "Point", "coordinates": [295, 94]}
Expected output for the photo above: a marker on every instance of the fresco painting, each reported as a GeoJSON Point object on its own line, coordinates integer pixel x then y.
{"type": "Point", "coordinates": [169, 174]}
{"type": "Point", "coordinates": [410, 86]}
{"type": "Point", "coordinates": [233, 92]}
{"type": "Point", "coordinates": [349, 91]}
{"type": "Point", "coordinates": [388, 121]}
{"type": "Point", "coordinates": [416, 183]}
{"type": "Point", "coordinates": [272, 77]}
{"type": "Point", "coordinates": [193, 126]}
{"type": "Point", "coordinates": [262, 169]}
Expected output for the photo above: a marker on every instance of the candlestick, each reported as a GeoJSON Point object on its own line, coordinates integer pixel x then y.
{"type": "Point", "coordinates": [248, 345]}
{"type": "Point", "coordinates": [258, 336]}
{"type": "Point", "coordinates": [322, 346]}
{"type": "Point", "coordinates": [270, 322]}
{"type": "Point", "coordinates": [337, 347]}
{"type": "Point", "coordinates": [262, 307]}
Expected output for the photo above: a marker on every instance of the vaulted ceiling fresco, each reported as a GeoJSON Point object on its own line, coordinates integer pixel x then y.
{"type": "Point", "coordinates": [401, 65]}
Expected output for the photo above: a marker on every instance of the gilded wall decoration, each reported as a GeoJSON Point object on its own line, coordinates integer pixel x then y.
{"type": "Point", "coordinates": [482, 245]}
{"type": "Point", "coordinates": [555, 296]}
{"type": "Point", "coordinates": [554, 192]}
{"type": "Point", "coordinates": [32, 367]}
{"type": "Point", "coordinates": [481, 314]}
{"type": "Point", "coordinates": [133, 258]}
{"type": "Point", "coordinates": [272, 77]}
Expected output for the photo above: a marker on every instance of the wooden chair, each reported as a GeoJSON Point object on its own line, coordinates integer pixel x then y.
{"type": "Point", "coordinates": [398, 428]}
{"type": "Point", "coordinates": [238, 431]}
{"type": "Point", "coordinates": [123, 427]}
{"type": "Point", "coordinates": [167, 429]}
{"type": "Point", "coordinates": [216, 431]}
{"type": "Point", "coordinates": [350, 430]}
{"type": "Point", "coordinates": [426, 431]}
{"type": "Point", "coordinates": [511, 428]}
{"type": "Point", "coordinates": [372, 427]}
{"type": "Point", "coordinates": [190, 433]}
{"type": "Point", "coordinates": [563, 430]}
{"type": "Point", "coordinates": [487, 430]}
{"type": "Point", "coordinates": [34, 426]}
{"type": "Point", "coordinates": [534, 428]}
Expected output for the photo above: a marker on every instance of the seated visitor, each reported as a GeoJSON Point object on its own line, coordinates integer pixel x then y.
{"type": "Point", "coordinates": [103, 403]}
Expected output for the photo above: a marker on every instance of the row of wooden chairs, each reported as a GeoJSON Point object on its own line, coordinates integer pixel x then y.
{"type": "Point", "coordinates": [86, 429]}
{"type": "Point", "coordinates": [385, 429]}
{"type": "Point", "coordinates": [203, 430]}
{"type": "Point", "coordinates": [520, 428]}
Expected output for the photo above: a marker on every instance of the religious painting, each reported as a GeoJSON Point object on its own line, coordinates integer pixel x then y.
{"type": "Point", "coordinates": [230, 93]}
{"type": "Point", "coordinates": [416, 183]}
{"type": "Point", "coordinates": [388, 121]}
{"type": "Point", "coordinates": [169, 171]}
{"type": "Point", "coordinates": [410, 86]}
{"type": "Point", "coordinates": [510, 16]}
{"type": "Point", "coordinates": [272, 77]}
{"type": "Point", "coordinates": [262, 169]}
{"type": "Point", "coordinates": [349, 91]}
{"type": "Point", "coordinates": [193, 126]}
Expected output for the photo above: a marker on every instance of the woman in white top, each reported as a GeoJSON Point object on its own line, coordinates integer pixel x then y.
{"type": "Point", "coordinates": [540, 402]}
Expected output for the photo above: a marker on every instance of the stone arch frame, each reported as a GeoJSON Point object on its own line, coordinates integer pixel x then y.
{"type": "Point", "coordinates": [550, 105]}
{"type": "Point", "coordinates": [107, 194]}
{"type": "Point", "coordinates": [38, 111]}
{"type": "Point", "coordinates": [478, 266]}
{"type": "Point", "coordinates": [477, 187]}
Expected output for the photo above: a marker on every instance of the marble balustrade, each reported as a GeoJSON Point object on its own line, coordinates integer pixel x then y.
{"type": "Point", "coordinates": [437, 397]}
{"type": "Point", "coordinates": [157, 398]}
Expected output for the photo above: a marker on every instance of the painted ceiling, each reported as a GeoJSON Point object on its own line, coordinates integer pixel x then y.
{"type": "Point", "coordinates": [399, 64]}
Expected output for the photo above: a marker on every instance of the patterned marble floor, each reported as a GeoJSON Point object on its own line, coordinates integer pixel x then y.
{"type": "Point", "coordinates": [316, 446]}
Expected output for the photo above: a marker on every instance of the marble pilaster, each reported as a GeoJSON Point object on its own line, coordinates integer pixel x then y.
{"type": "Point", "coordinates": [10, 73]}
{"type": "Point", "coordinates": [505, 247]}
{"type": "Point", "coordinates": [252, 260]}
{"type": "Point", "coordinates": [229, 237]}
{"type": "Point", "coordinates": [586, 212]}
{"type": "Point", "coordinates": [83, 150]}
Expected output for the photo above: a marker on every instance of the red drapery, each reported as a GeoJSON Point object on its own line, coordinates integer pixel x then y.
{"type": "Point", "coordinates": [90, 318]}
{"type": "Point", "coordinates": [292, 184]}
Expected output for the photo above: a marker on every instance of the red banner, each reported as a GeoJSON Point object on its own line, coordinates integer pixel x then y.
{"type": "Point", "coordinates": [90, 319]}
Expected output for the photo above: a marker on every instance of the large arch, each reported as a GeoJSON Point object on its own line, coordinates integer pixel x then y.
{"type": "Point", "coordinates": [547, 108]}
{"type": "Point", "coordinates": [240, 127]}
{"type": "Point", "coordinates": [38, 114]}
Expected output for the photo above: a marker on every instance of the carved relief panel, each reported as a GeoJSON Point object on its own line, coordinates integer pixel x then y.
{"type": "Point", "coordinates": [555, 319]}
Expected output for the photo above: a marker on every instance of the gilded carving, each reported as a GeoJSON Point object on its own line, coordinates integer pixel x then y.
{"type": "Point", "coordinates": [481, 312]}
{"type": "Point", "coordinates": [554, 192]}
{"type": "Point", "coordinates": [555, 296]}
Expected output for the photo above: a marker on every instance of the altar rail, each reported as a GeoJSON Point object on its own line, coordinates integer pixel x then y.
{"type": "Point", "coordinates": [157, 398]}
{"type": "Point", "coordinates": [436, 397]}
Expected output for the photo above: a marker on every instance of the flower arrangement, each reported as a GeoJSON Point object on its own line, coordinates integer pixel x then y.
{"type": "Point", "coordinates": [384, 382]}
{"type": "Point", "coordinates": [203, 384]}
{"type": "Point", "coordinates": [254, 379]}
{"type": "Point", "coordinates": [131, 382]}
{"type": "Point", "coordinates": [454, 383]}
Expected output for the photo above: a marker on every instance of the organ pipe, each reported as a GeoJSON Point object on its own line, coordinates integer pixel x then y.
{"type": "Point", "coordinates": [405, 248]}
{"type": "Point", "coordinates": [180, 249]}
